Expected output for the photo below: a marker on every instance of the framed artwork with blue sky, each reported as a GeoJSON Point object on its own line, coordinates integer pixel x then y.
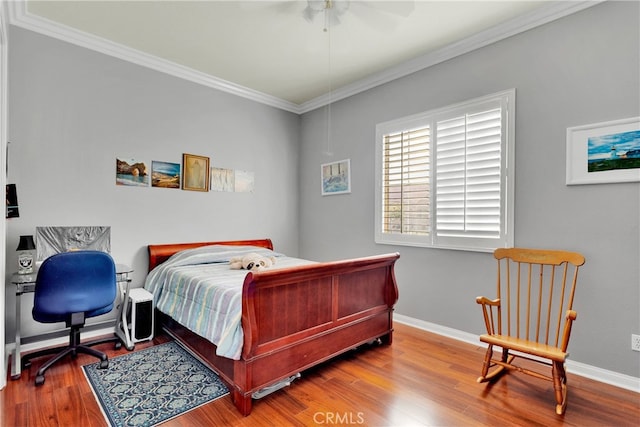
{"type": "Point", "coordinates": [603, 153]}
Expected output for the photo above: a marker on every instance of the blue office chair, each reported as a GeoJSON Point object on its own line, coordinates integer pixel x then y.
{"type": "Point", "coordinates": [71, 287]}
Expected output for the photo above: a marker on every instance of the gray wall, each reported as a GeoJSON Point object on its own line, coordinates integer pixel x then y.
{"type": "Point", "coordinates": [72, 111]}
{"type": "Point", "coordinates": [579, 70]}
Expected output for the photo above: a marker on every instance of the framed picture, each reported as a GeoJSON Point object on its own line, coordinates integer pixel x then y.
{"type": "Point", "coordinates": [131, 172]}
{"type": "Point", "coordinates": [604, 152]}
{"type": "Point", "coordinates": [12, 201]}
{"type": "Point", "coordinates": [336, 177]}
{"type": "Point", "coordinates": [195, 175]}
{"type": "Point", "coordinates": [165, 174]}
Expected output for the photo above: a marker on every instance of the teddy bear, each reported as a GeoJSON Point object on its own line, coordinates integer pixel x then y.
{"type": "Point", "coordinates": [251, 262]}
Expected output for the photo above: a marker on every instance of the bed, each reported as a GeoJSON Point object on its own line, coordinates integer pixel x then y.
{"type": "Point", "coordinates": [292, 317]}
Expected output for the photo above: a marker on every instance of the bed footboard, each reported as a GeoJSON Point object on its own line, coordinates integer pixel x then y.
{"type": "Point", "coordinates": [296, 318]}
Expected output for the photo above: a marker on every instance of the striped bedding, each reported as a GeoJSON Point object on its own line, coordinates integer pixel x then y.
{"type": "Point", "coordinates": [197, 288]}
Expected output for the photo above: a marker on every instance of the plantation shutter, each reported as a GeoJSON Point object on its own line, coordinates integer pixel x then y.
{"type": "Point", "coordinates": [406, 185]}
{"type": "Point", "coordinates": [445, 177]}
{"type": "Point", "coordinates": [468, 178]}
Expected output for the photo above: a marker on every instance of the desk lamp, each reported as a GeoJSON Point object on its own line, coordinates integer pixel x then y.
{"type": "Point", "coordinates": [26, 255]}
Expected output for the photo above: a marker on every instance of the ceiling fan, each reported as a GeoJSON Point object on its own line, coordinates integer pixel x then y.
{"type": "Point", "coordinates": [332, 10]}
{"type": "Point", "coordinates": [377, 14]}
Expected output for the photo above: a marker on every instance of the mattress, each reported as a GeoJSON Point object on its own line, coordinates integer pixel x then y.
{"type": "Point", "coordinates": [197, 288]}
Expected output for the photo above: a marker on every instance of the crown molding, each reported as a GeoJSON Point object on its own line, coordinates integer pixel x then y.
{"type": "Point", "coordinates": [553, 11]}
{"type": "Point", "coordinates": [19, 17]}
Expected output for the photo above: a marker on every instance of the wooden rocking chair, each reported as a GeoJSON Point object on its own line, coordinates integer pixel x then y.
{"type": "Point", "coordinates": [532, 314]}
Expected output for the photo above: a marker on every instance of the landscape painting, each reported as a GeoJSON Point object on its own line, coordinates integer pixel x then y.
{"type": "Point", "coordinates": [165, 174]}
{"type": "Point", "coordinates": [131, 172]}
{"type": "Point", "coordinates": [602, 153]}
{"type": "Point", "coordinates": [615, 151]}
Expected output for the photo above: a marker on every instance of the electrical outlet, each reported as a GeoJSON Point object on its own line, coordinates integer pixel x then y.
{"type": "Point", "coordinates": [635, 342]}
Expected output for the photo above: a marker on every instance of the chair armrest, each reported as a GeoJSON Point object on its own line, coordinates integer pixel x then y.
{"type": "Point", "coordinates": [487, 311]}
{"type": "Point", "coordinates": [569, 318]}
{"type": "Point", "coordinates": [485, 300]}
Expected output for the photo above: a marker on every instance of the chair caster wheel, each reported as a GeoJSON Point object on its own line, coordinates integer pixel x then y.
{"type": "Point", "coordinates": [39, 380]}
{"type": "Point", "coordinates": [130, 348]}
{"type": "Point", "coordinates": [118, 345]}
{"type": "Point", "coordinates": [104, 364]}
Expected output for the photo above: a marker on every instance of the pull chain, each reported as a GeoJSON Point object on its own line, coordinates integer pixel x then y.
{"type": "Point", "coordinates": [329, 150]}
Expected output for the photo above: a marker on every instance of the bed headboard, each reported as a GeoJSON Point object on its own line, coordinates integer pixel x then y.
{"type": "Point", "coordinates": [160, 253]}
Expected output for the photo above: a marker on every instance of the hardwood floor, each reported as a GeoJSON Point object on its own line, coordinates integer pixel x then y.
{"type": "Point", "coordinates": [421, 379]}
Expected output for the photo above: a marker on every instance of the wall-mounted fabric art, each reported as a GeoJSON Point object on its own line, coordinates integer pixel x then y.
{"type": "Point", "coordinates": [55, 240]}
{"type": "Point", "coordinates": [131, 172]}
{"type": "Point", "coordinates": [230, 180]}
{"type": "Point", "coordinates": [244, 181]}
{"type": "Point", "coordinates": [165, 174]}
{"type": "Point", "coordinates": [222, 179]}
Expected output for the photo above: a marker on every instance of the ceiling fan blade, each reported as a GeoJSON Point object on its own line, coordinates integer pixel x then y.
{"type": "Point", "coordinates": [395, 7]}
{"type": "Point", "coordinates": [333, 19]}
{"type": "Point", "coordinates": [368, 14]}
{"type": "Point", "coordinates": [309, 14]}
{"type": "Point", "coordinates": [340, 6]}
{"type": "Point", "coordinates": [278, 6]}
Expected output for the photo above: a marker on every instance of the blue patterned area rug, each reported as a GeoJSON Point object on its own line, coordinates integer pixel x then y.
{"type": "Point", "coordinates": [147, 387]}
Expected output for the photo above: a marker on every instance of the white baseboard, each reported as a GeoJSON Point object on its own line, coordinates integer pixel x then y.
{"type": "Point", "coordinates": [592, 372]}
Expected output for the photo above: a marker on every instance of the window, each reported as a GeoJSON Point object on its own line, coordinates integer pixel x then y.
{"type": "Point", "coordinates": [444, 178]}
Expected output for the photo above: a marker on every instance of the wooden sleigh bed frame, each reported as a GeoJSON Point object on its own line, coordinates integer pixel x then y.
{"type": "Point", "coordinates": [294, 318]}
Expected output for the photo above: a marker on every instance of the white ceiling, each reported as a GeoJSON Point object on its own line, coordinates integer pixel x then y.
{"type": "Point", "coordinates": [266, 50]}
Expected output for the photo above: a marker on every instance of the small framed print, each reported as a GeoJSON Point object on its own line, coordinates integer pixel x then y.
{"type": "Point", "coordinates": [165, 174]}
{"type": "Point", "coordinates": [336, 177]}
{"type": "Point", "coordinates": [604, 152]}
{"type": "Point", "coordinates": [195, 176]}
{"type": "Point", "coordinates": [131, 172]}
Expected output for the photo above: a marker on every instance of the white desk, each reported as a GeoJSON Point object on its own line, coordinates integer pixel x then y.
{"type": "Point", "coordinates": [26, 283]}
